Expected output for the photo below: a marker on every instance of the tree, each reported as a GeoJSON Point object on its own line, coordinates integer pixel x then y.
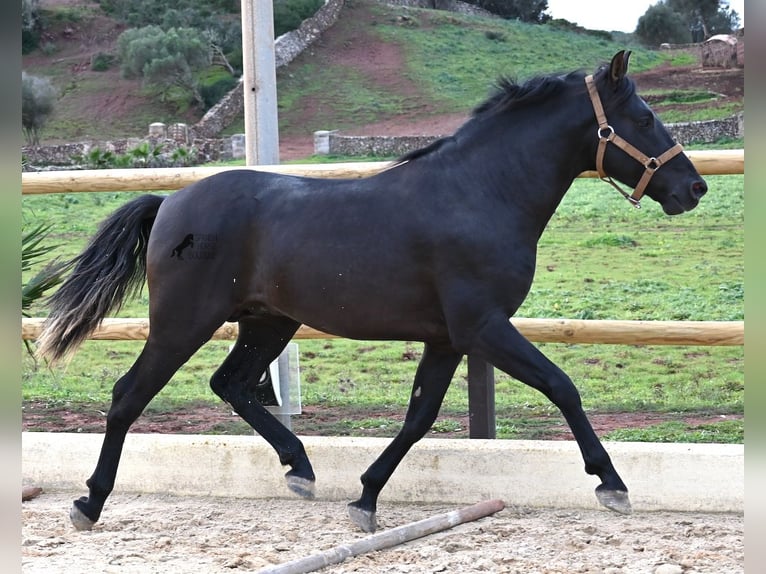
{"type": "Point", "coordinates": [38, 98]}
{"type": "Point", "coordinates": [224, 38]}
{"type": "Point", "coordinates": [660, 24]}
{"type": "Point", "coordinates": [165, 59]}
{"type": "Point", "coordinates": [700, 18]}
{"type": "Point", "coordinates": [703, 14]}
{"type": "Point", "coordinates": [725, 21]}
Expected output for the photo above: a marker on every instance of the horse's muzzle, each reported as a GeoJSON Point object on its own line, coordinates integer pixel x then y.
{"type": "Point", "coordinates": [685, 200]}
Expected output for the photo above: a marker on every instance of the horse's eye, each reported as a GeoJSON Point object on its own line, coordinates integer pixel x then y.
{"type": "Point", "coordinates": [645, 121]}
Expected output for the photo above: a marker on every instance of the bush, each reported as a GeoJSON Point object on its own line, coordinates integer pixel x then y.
{"type": "Point", "coordinates": [144, 154]}
{"type": "Point", "coordinates": [30, 40]}
{"type": "Point", "coordinates": [30, 25]}
{"type": "Point", "coordinates": [37, 101]}
{"type": "Point", "coordinates": [495, 36]}
{"type": "Point", "coordinates": [101, 62]}
{"type": "Point", "coordinates": [212, 93]}
{"type": "Point", "coordinates": [288, 14]}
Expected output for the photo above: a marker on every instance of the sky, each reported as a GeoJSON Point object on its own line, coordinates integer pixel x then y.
{"type": "Point", "coordinates": [612, 15]}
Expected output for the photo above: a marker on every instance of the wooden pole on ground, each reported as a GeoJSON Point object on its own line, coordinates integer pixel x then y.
{"type": "Point", "coordinates": [387, 538]}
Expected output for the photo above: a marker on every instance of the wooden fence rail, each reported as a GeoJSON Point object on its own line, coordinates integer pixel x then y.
{"type": "Point", "coordinates": [600, 332]}
{"type": "Point", "coordinates": [707, 162]}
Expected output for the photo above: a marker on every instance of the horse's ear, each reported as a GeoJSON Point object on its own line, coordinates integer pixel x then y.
{"type": "Point", "coordinates": [619, 66]}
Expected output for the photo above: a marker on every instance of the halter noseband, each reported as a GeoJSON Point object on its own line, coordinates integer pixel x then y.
{"type": "Point", "coordinates": [606, 134]}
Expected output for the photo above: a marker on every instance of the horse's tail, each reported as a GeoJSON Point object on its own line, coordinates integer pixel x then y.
{"type": "Point", "coordinates": [111, 268]}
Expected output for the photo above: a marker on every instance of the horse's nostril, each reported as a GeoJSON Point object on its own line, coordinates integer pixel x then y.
{"type": "Point", "coordinates": [699, 188]}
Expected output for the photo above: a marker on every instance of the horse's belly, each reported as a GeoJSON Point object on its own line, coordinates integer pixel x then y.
{"type": "Point", "coordinates": [401, 312]}
{"type": "Point", "coordinates": [370, 326]}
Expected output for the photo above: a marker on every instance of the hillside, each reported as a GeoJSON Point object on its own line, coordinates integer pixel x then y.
{"type": "Point", "coordinates": [361, 77]}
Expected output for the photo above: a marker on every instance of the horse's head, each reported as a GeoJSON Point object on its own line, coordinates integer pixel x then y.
{"type": "Point", "coordinates": [635, 148]}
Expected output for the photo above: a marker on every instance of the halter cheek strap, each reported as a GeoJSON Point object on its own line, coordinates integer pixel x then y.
{"type": "Point", "coordinates": [606, 135]}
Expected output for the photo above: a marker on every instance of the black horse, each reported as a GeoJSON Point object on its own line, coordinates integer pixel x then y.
{"type": "Point", "coordinates": [440, 249]}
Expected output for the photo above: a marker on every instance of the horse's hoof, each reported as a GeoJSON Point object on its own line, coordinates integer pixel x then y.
{"type": "Point", "coordinates": [79, 520]}
{"type": "Point", "coordinates": [616, 500]}
{"type": "Point", "coordinates": [364, 519]}
{"type": "Point", "coordinates": [301, 486]}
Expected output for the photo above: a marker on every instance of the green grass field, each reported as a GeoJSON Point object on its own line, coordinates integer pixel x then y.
{"type": "Point", "coordinates": [598, 259]}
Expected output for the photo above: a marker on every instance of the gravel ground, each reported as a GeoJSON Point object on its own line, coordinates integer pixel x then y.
{"type": "Point", "coordinates": [178, 535]}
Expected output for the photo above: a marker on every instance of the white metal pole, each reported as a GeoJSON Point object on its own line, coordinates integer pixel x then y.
{"type": "Point", "coordinates": [259, 83]}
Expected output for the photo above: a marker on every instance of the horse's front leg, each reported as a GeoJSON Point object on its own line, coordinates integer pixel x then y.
{"type": "Point", "coordinates": [499, 343]}
{"type": "Point", "coordinates": [260, 341]}
{"type": "Point", "coordinates": [434, 374]}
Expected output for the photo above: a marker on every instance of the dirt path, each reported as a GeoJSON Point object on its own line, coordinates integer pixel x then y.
{"type": "Point", "coordinates": [171, 535]}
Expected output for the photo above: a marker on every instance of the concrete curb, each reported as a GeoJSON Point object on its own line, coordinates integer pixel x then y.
{"type": "Point", "coordinates": [670, 477]}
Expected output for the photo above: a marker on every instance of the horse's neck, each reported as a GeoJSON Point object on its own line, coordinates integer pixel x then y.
{"type": "Point", "coordinates": [533, 177]}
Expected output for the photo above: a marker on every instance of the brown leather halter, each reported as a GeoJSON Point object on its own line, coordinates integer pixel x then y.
{"type": "Point", "coordinates": [606, 134]}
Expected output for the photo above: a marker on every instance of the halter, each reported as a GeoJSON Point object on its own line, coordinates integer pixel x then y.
{"type": "Point", "coordinates": [606, 134]}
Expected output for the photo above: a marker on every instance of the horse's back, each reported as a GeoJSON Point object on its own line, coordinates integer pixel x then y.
{"type": "Point", "coordinates": [339, 255]}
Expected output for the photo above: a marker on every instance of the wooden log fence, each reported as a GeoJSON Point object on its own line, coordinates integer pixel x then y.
{"type": "Point", "coordinates": [707, 162]}
{"type": "Point", "coordinates": [481, 399]}
{"type": "Point", "coordinates": [597, 332]}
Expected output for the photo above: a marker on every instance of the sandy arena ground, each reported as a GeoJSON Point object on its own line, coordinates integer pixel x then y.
{"type": "Point", "coordinates": [178, 535]}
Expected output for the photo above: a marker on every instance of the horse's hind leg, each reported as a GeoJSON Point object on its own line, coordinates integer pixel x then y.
{"type": "Point", "coordinates": [435, 371]}
{"type": "Point", "coordinates": [259, 342]}
{"type": "Point", "coordinates": [158, 361]}
{"type": "Point", "coordinates": [503, 346]}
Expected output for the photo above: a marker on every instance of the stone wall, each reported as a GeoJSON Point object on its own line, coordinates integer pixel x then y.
{"type": "Point", "coordinates": [334, 143]}
{"type": "Point", "coordinates": [382, 146]}
{"type": "Point", "coordinates": [74, 155]}
{"type": "Point", "coordinates": [708, 131]}
{"type": "Point", "coordinates": [205, 150]}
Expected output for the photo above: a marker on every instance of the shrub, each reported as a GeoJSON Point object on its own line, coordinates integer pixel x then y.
{"type": "Point", "coordinates": [212, 93]}
{"type": "Point", "coordinates": [101, 62]}
{"type": "Point", "coordinates": [30, 25]}
{"type": "Point", "coordinates": [37, 102]}
{"type": "Point", "coordinates": [288, 14]}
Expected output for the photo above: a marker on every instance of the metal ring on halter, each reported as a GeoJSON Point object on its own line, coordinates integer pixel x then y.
{"type": "Point", "coordinates": [603, 137]}
{"type": "Point", "coordinates": [652, 164]}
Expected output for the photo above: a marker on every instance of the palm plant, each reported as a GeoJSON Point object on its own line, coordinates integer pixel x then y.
{"type": "Point", "coordinates": [32, 250]}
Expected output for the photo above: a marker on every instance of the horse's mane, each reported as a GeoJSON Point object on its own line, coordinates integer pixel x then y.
{"type": "Point", "coordinates": [506, 94]}
{"type": "Point", "coordinates": [509, 94]}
